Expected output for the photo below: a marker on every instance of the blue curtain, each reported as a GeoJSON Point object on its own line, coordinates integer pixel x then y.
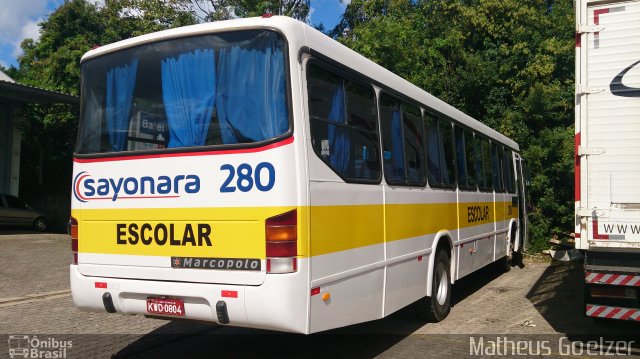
{"type": "Point", "coordinates": [397, 155]}
{"type": "Point", "coordinates": [339, 141]}
{"type": "Point", "coordinates": [188, 92]}
{"type": "Point", "coordinates": [121, 82]}
{"type": "Point", "coordinates": [251, 93]}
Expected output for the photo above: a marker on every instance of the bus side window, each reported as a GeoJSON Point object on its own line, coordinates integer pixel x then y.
{"type": "Point", "coordinates": [469, 155]}
{"type": "Point", "coordinates": [392, 141]}
{"type": "Point", "coordinates": [402, 136]}
{"type": "Point", "coordinates": [496, 168]}
{"type": "Point", "coordinates": [344, 125]}
{"type": "Point", "coordinates": [508, 168]}
{"type": "Point", "coordinates": [447, 159]}
{"type": "Point", "coordinates": [486, 161]}
{"type": "Point", "coordinates": [414, 144]}
{"type": "Point", "coordinates": [460, 157]}
{"type": "Point", "coordinates": [433, 150]}
{"type": "Point", "coordinates": [479, 167]}
{"type": "Point", "coordinates": [440, 153]}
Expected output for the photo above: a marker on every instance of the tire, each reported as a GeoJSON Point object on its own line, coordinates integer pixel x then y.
{"type": "Point", "coordinates": [40, 224]}
{"type": "Point", "coordinates": [438, 306]}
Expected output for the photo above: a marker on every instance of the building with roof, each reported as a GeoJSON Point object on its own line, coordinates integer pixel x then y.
{"type": "Point", "coordinates": [13, 98]}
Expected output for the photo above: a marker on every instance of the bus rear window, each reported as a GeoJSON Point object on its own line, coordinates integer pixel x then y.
{"type": "Point", "coordinates": [221, 89]}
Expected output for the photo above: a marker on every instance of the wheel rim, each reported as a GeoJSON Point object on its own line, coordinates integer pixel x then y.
{"type": "Point", "coordinates": [442, 288]}
{"type": "Point", "coordinates": [41, 224]}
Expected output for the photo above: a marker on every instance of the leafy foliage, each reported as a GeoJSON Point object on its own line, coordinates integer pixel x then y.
{"type": "Point", "coordinates": [53, 63]}
{"type": "Point", "coordinates": [508, 63]}
{"type": "Point", "coordinates": [214, 10]}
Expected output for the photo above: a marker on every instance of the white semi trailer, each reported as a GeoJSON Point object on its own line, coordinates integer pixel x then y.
{"type": "Point", "coordinates": [607, 155]}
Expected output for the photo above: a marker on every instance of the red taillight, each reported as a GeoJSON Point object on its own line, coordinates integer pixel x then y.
{"type": "Point", "coordinates": [73, 232]}
{"type": "Point", "coordinates": [281, 234]}
{"type": "Point", "coordinates": [282, 249]}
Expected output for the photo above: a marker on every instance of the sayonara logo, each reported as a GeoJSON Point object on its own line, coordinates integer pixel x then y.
{"type": "Point", "coordinates": [87, 188]}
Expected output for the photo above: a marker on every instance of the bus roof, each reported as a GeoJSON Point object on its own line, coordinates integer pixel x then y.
{"type": "Point", "coordinates": [300, 35]}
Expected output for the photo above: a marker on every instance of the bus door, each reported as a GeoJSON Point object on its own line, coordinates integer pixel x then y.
{"type": "Point", "coordinates": [523, 230]}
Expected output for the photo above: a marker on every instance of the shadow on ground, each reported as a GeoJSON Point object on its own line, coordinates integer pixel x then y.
{"type": "Point", "coordinates": [209, 340]}
{"type": "Point", "coordinates": [366, 340]}
{"type": "Point", "coordinates": [558, 296]}
{"type": "Point", "coordinates": [474, 282]}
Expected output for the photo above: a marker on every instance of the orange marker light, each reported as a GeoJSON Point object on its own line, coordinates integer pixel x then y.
{"type": "Point", "coordinates": [326, 296]}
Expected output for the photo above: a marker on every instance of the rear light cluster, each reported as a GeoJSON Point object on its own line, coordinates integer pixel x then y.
{"type": "Point", "coordinates": [73, 232]}
{"type": "Point", "coordinates": [281, 234]}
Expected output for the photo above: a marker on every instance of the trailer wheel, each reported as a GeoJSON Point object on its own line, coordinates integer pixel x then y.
{"type": "Point", "coordinates": [438, 306]}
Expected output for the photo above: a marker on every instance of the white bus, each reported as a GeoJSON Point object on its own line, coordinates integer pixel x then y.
{"type": "Point", "coordinates": [257, 173]}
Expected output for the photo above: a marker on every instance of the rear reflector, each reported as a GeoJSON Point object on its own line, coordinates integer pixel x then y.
{"type": "Point", "coordinates": [73, 232]}
{"type": "Point", "coordinates": [281, 234]}
{"type": "Point", "coordinates": [101, 285]}
{"type": "Point", "coordinates": [230, 293]}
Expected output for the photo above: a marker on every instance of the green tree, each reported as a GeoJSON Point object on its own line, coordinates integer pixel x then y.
{"type": "Point", "coordinates": [508, 63]}
{"type": "Point", "coordinates": [214, 10]}
{"type": "Point", "coordinates": [53, 62]}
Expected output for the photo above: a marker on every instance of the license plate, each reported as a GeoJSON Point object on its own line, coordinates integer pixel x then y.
{"type": "Point", "coordinates": [165, 306]}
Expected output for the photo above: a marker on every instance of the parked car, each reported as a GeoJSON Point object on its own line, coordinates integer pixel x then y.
{"type": "Point", "coordinates": [15, 212]}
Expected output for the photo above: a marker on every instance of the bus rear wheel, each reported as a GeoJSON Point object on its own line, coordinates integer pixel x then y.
{"type": "Point", "coordinates": [438, 306]}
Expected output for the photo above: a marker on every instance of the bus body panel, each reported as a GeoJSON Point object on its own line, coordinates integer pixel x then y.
{"type": "Point", "coordinates": [144, 229]}
{"type": "Point", "coordinates": [276, 304]}
{"type": "Point", "coordinates": [476, 242]}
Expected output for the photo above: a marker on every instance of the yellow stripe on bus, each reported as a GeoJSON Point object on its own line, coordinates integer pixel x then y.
{"type": "Point", "coordinates": [234, 232]}
{"type": "Point", "coordinates": [239, 232]}
{"type": "Point", "coordinates": [338, 228]}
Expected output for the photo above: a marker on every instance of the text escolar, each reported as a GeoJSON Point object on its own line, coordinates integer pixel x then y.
{"type": "Point", "coordinates": [162, 234]}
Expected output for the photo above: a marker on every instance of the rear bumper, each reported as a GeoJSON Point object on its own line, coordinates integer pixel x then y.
{"type": "Point", "coordinates": [280, 303]}
{"type": "Point", "coordinates": [612, 294]}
